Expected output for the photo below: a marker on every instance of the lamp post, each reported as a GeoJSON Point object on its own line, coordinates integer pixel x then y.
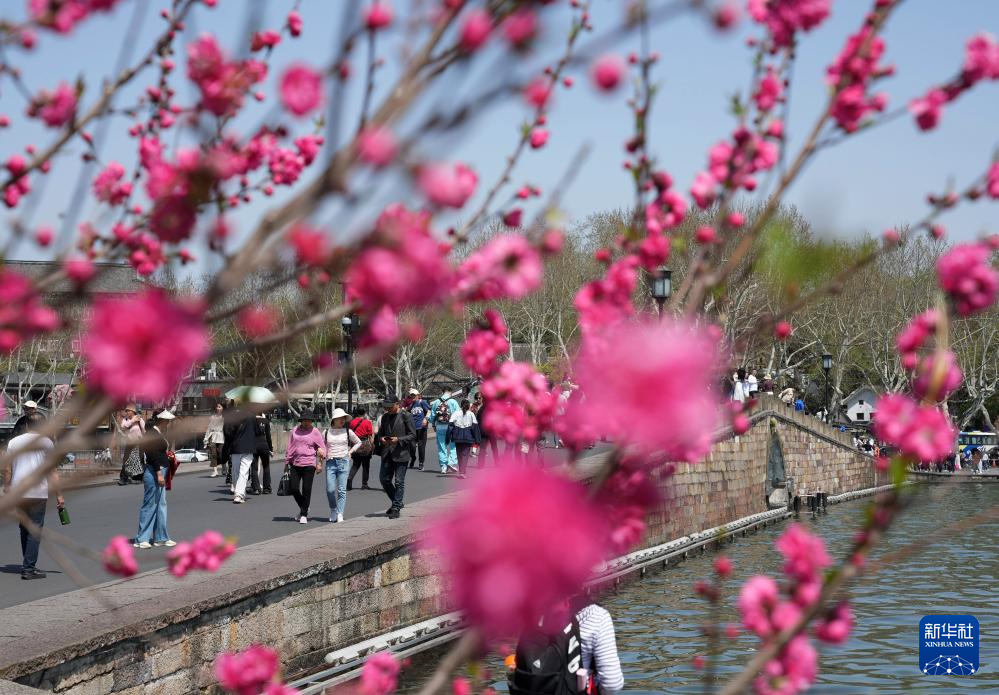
{"type": "Point", "coordinates": [826, 366]}
{"type": "Point", "coordinates": [347, 357]}
{"type": "Point", "coordinates": [662, 287]}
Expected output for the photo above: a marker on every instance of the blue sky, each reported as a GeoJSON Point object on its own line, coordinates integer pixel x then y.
{"type": "Point", "coordinates": [876, 180]}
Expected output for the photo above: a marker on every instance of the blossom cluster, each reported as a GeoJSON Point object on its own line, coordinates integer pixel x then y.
{"type": "Point", "coordinates": [922, 432]}
{"type": "Point", "coordinates": [22, 313]}
{"type": "Point", "coordinates": [965, 274]}
{"type": "Point", "coordinates": [62, 15]}
{"type": "Point", "coordinates": [521, 404]}
{"type": "Point", "coordinates": [149, 354]}
{"type": "Point", "coordinates": [766, 611]}
{"type": "Point", "coordinates": [484, 345]}
{"type": "Point", "coordinates": [119, 557]}
{"type": "Point", "coordinates": [207, 552]}
{"type": "Point", "coordinates": [380, 674]}
{"type": "Point", "coordinates": [784, 18]}
{"type": "Point", "coordinates": [851, 75]}
{"type": "Point", "coordinates": [253, 671]}
{"type": "Point", "coordinates": [508, 266]}
{"type": "Point", "coordinates": [981, 62]}
{"type": "Point", "coordinates": [678, 369]}
{"type": "Point", "coordinates": [500, 582]}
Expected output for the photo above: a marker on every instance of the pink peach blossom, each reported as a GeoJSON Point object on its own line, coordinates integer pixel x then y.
{"type": "Point", "coordinates": [783, 18]}
{"type": "Point", "coordinates": [484, 345]}
{"type": "Point", "coordinates": [793, 671]}
{"type": "Point", "coordinates": [965, 274]}
{"type": "Point", "coordinates": [539, 136]}
{"type": "Point", "coordinates": [835, 628]}
{"type": "Point", "coordinates": [475, 30]}
{"type": "Point", "coordinates": [380, 674]}
{"type": "Point", "coordinates": [921, 432]}
{"type": "Point", "coordinates": [119, 557]}
{"type": "Point", "coordinates": [159, 339]}
{"type": "Point", "coordinates": [520, 28]}
{"type": "Point", "coordinates": [301, 89]}
{"type": "Point", "coordinates": [376, 146]}
{"type": "Point", "coordinates": [501, 583]}
{"type": "Point", "coordinates": [207, 552]}
{"type": "Point", "coordinates": [507, 267]}
{"type": "Point", "coordinates": [928, 109]}
{"type": "Point", "coordinates": [378, 15]}
{"type": "Point", "coordinates": [521, 404]}
{"type": "Point", "coordinates": [109, 187]}
{"type": "Point", "coordinates": [607, 72]}
{"type": "Point", "coordinates": [937, 376]}
{"type": "Point", "coordinates": [981, 58]}
{"type": "Point", "coordinates": [79, 270]}
{"type": "Point", "coordinates": [311, 246]}
{"type": "Point", "coordinates": [805, 555]}
{"type": "Point", "coordinates": [247, 672]}
{"type": "Point", "coordinates": [538, 92]}
{"type": "Point", "coordinates": [448, 186]}
{"type": "Point", "coordinates": [55, 108]}
{"type": "Point", "coordinates": [22, 313]}
{"type": "Point", "coordinates": [258, 320]}
{"type": "Point", "coordinates": [677, 370]}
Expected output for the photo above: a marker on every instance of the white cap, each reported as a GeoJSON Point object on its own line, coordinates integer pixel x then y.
{"type": "Point", "coordinates": [414, 392]}
{"type": "Point", "coordinates": [30, 404]}
{"type": "Point", "coordinates": [166, 415]}
{"type": "Point", "coordinates": [339, 412]}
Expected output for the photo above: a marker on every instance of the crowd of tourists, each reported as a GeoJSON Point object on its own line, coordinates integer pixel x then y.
{"type": "Point", "coordinates": [745, 385]}
{"type": "Point", "coordinates": [240, 445]}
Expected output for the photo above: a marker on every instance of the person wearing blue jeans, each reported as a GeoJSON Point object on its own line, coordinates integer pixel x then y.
{"type": "Point", "coordinates": [28, 452]}
{"type": "Point", "coordinates": [341, 443]}
{"type": "Point", "coordinates": [153, 512]}
{"type": "Point", "coordinates": [441, 411]}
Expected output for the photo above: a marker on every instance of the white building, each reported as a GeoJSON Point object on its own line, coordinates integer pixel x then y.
{"type": "Point", "coordinates": [860, 405]}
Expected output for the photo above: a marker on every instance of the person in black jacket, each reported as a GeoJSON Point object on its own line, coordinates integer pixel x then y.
{"type": "Point", "coordinates": [241, 439]}
{"type": "Point", "coordinates": [395, 434]}
{"type": "Point", "coordinates": [261, 455]}
{"type": "Point", "coordinates": [153, 513]}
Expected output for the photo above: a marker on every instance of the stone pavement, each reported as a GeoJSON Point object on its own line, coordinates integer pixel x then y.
{"type": "Point", "coordinates": [197, 502]}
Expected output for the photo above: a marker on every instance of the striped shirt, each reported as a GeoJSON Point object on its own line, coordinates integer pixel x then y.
{"type": "Point", "coordinates": [599, 647]}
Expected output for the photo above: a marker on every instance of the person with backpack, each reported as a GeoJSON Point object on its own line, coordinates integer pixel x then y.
{"type": "Point", "coordinates": [569, 652]}
{"type": "Point", "coordinates": [341, 443]}
{"type": "Point", "coordinates": [443, 408]}
{"type": "Point", "coordinates": [463, 433]}
{"type": "Point", "coordinates": [362, 457]}
{"type": "Point", "coordinates": [420, 410]}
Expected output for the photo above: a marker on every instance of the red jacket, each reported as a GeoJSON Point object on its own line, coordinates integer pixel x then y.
{"type": "Point", "coordinates": [362, 427]}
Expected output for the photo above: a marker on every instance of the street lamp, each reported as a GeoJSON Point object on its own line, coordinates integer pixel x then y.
{"type": "Point", "coordinates": [346, 357]}
{"type": "Point", "coordinates": [826, 366]}
{"type": "Point", "coordinates": [662, 287]}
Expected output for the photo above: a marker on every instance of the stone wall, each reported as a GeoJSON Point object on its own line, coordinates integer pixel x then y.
{"type": "Point", "coordinates": [324, 589]}
{"type": "Point", "coordinates": [731, 482]}
{"type": "Point", "coordinates": [157, 634]}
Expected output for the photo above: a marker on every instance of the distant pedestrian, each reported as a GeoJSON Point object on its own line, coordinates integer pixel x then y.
{"type": "Point", "coordinates": [395, 432]}
{"type": "Point", "coordinates": [441, 411]}
{"type": "Point", "coordinates": [341, 443]}
{"type": "Point", "coordinates": [260, 470]}
{"type": "Point", "coordinates": [29, 451]}
{"type": "Point", "coordinates": [362, 457]}
{"type": "Point", "coordinates": [303, 462]}
{"type": "Point", "coordinates": [214, 442]}
{"type": "Point", "coordinates": [463, 432]}
{"type": "Point", "coordinates": [787, 396]}
{"type": "Point", "coordinates": [740, 389]}
{"type": "Point", "coordinates": [241, 441]}
{"type": "Point", "coordinates": [752, 385]}
{"type": "Point", "coordinates": [132, 427]}
{"type": "Point", "coordinates": [153, 512]}
{"type": "Point", "coordinates": [799, 405]}
{"type": "Point", "coordinates": [767, 385]}
{"type": "Point", "coordinates": [488, 441]}
{"type": "Point", "coordinates": [28, 409]}
{"type": "Point", "coordinates": [420, 410]}
{"type": "Point", "coordinates": [976, 460]}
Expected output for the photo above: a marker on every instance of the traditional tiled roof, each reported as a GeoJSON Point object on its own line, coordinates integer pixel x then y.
{"type": "Point", "coordinates": [111, 278]}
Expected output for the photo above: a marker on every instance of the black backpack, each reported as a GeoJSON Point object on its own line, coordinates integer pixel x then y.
{"type": "Point", "coordinates": [547, 663]}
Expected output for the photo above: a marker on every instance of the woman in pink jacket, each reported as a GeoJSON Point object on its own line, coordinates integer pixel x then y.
{"type": "Point", "coordinates": [306, 453]}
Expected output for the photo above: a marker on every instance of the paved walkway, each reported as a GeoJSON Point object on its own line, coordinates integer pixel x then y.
{"type": "Point", "coordinates": [197, 502]}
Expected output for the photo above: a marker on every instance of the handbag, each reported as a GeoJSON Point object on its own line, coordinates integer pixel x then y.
{"type": "Point", "coordinates": [133, 464]}
{"type": "Point", "coordinates": [367, 447]}
{"type": "Point", "coordinates": [284, 484]}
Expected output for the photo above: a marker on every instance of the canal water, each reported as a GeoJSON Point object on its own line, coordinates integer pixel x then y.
{"type": "Point", "coordinates": [658, 617]}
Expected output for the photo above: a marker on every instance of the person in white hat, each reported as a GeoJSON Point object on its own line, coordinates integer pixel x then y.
{"type": "Point", "coordinates": [419, 409]}
{"type": "Point", "coordinates": [29, 408]}
{"type": "Point", "coordinates": [341, 443]}
{"type": "Point", "coordinates": [153, 512]}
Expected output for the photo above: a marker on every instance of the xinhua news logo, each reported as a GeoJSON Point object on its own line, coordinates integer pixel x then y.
{"type": "Point", "coordinates": [948, 645]}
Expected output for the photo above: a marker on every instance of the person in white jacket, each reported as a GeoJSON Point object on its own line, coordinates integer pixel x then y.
{"type": "Point", "coordinates": [341, 443]}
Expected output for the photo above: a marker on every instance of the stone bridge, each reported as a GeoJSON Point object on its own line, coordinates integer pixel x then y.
{"type": "Point", "coordinates": [328, 588]}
